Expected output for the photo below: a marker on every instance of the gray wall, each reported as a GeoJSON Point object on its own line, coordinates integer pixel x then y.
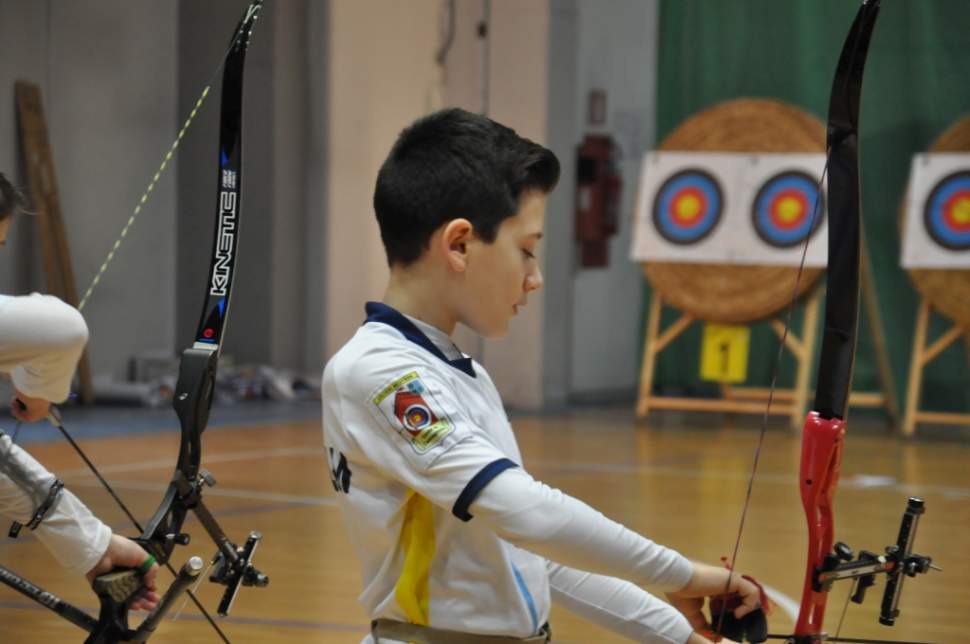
{"type": "Point", "coordinates": [617, 52]}
{"type": "Point", "coordinates": [24, 32]}
{"type": "Point", "coordinates": [589, 330]}
{"type": "Point", "coordinates": [204, 32]}
{"type": "Point", "coordinates": [277, 298]}
{"type": "Point", "coordinates": [118, 78]}
{"type": "Point", "coordinates": [107, 75]}
{"type": "Point", "coordinates": [558, 245]}
{"type": "Point", "coordinates": [525, 67]}
{"type": "Point", "coordinates": [578, 338]}
{"type": "Point", "coordinates": [380, 76]}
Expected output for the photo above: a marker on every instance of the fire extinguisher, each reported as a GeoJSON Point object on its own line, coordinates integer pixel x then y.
{"type": "Point", "coordinates": [598, 190]}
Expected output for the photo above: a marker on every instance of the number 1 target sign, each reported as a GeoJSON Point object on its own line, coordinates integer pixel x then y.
{"type": "Point", "coordinates": [724, 353]}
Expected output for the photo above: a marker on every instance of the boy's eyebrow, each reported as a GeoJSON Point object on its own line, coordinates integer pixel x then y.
{"type": "Point", "coordinates": [537, 235]}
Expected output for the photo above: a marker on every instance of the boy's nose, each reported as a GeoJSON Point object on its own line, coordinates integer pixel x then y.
{"type": "Point", "coordinates": [533, 280]}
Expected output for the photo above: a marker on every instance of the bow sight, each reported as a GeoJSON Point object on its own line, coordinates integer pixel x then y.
{"type": "Point", "coordinates": [898, 563]}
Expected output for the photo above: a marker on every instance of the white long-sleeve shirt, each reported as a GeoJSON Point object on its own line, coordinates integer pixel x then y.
{"type": "Point", "coordinates": [41, 340]}
{"type": "Point", "coordinates": [450, 530]}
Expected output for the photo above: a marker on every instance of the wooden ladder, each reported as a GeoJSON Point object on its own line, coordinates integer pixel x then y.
{"type": "Point", "coordinates": [39, 163]}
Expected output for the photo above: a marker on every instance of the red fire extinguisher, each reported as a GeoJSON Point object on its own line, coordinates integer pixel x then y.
{"type": "Point", "coordinates": [598, 189]}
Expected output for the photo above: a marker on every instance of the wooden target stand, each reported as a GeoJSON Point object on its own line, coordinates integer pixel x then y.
{"type": "Point", "coordinates": [734, 294]}
{"type": "Point", "coordinates": [786, 402]}
{"type": "Point", "coordinates": [947, 293]}
{"type": "Point", "coordinates": [744, 400]}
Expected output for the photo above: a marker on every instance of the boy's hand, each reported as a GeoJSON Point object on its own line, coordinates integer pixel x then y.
{"type": "Point", "coordinates": [27, 408]}
{"type": "Point", "coordinates": [125, 553]}
{"type": "Point", "coordinates": [710, 581]}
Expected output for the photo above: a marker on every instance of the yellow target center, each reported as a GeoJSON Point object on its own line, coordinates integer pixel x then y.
{"type": "Point", "coordinates": [789, 209]}
{"type": "Point", "coordinates": [688, 207]}
{"type": "Point", "coordinates": [961, 212]}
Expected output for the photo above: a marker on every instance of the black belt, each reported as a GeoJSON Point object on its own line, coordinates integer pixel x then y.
{"type": "Point", "coordinates": [418, 634]}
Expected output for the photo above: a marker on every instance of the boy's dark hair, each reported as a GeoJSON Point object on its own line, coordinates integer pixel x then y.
{"type": "Point", "coordinates": [10, 198]}
{"type": "Point", "coordinates": [452, 164]}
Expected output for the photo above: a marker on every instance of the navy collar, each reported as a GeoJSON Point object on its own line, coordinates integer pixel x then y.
{"type": "Point", "coordinates": [380, 312]}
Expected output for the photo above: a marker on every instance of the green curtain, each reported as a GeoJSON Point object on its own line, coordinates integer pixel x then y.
{"type": "Point", "coordinates": [917, 83]}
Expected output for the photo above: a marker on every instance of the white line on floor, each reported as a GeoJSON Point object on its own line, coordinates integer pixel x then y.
{"type": "Point", "coordinates": [223, 457]}
{"type": "Point", "coordinates": [235, 493]}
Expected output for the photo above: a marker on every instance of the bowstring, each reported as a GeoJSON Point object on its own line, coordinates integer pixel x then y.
{"type": "Point", "coordinates": [776, 367]}
{"type": "Point", "coordinates": [140, 204]}
{"type": "Point", "coordinates": [845, 609]}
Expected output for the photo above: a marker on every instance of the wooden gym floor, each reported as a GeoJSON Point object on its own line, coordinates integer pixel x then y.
{"type": "Point", "coordinates": [680, 482]}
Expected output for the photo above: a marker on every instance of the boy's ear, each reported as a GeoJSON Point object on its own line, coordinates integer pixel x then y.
{"type": "Point", "coordinates": [455, 238]}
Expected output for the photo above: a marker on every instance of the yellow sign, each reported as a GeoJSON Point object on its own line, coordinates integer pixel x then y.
{"type": "Point", "coordinates": [724, 353]}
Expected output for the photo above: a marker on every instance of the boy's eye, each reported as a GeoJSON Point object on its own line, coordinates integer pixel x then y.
{"type": "Point", "coordinates": [528, 253]}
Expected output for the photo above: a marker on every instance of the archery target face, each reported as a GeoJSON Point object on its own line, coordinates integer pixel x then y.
{"type": "Point", "coordinates": [788, 208]}
{"type": "Point", "coordinates": [688, 206]}
{"type": "Point", "coordinates": [946, 212]}
{"type": "Point", "coordinates": [696, 207]}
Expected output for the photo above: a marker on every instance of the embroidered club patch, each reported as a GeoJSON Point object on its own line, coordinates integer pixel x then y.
{"type": "Point", "coordinates": [413, 411]}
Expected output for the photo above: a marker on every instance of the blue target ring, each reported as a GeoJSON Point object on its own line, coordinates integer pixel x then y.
{"type": "Point", "coordinates": [946, 212]}
{"type": "Point", "coordinates": [788, 208]}
{"type": "Point", "coordinates": [688, 206]}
